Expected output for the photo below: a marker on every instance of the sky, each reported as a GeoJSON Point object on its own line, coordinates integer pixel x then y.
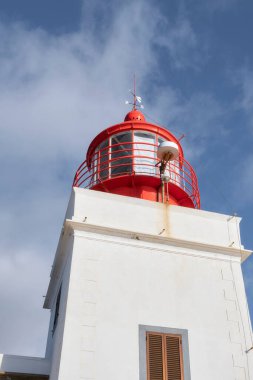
{"type": "Point", "coordinates": [65, 71]}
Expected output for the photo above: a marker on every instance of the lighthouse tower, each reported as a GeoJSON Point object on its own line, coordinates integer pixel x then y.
{"type": "Point", "coordinates": [144, 284]}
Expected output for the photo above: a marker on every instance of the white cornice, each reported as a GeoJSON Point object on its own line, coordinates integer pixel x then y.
{"type": "Point", "coordinates": [158, 239]}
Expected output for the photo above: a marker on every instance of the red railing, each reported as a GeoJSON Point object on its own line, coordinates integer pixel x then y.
{"type": "Point", "coordinates": [135, 158]}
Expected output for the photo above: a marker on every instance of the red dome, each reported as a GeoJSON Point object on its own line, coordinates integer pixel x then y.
{"type": "Point", "coordinates": [135, 115]}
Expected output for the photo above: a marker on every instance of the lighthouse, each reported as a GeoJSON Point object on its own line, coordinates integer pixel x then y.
{"type": "Point", "coordinates": [145, 285]}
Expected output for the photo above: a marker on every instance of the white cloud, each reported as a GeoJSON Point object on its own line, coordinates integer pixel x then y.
{"type": "Point", "coordinates": [200, 118]}
{"type": "Point", "coordinates": [57, 92]}
{"type": "Point", "coordinates": [23, 324]}
{"type": "Point", "coordinates": [180, 42]}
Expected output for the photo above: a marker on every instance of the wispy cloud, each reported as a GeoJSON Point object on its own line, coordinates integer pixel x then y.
{"type": "Point", "coordinates": [51, 90]}
{"type": "Point", "coordinates": [22, 306]}
{"type": "Point", "coordinates": [181, 42]}
{"type": "Point", "coordinates": [244, 80]}
{"type": "Point", "coordinates": [199, 117]}
{"type": "Point", "coordinates": [57, 92]}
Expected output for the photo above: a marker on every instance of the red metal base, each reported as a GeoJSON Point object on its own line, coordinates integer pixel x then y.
{"type": "Point", "coordinates": [136, 186]}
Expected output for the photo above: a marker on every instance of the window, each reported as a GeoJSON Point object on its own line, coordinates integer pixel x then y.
{"type": "Point", "coordinates": [164, 353]}
{"type": "Point", "coordinates": [57, 309]}
{"type": "Point", "coordinates": [164, 357]}
{"type": "Point", "coordinates": [121, 154]}
{"type": "Point", "coordinates": [145, 153]}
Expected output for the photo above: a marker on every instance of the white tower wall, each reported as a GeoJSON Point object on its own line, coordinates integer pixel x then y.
{"type": "Point", "coordinates": [125, 263]}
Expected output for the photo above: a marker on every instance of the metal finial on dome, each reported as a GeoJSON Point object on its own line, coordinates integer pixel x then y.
{"type": "Point", "coordinates": [137, 100]}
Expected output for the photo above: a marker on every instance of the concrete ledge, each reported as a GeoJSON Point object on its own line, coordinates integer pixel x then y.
{"type": "Point", "coordinates": [22, 365]}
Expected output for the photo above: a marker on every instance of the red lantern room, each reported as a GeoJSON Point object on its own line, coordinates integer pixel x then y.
{"type": "Point", "coordinates": [139, 159]}
{"type": "Point", "coordinates": [125, 159]}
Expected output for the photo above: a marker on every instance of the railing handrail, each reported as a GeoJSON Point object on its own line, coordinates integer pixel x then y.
{"type": "Point", "coordinates": [104, 166]}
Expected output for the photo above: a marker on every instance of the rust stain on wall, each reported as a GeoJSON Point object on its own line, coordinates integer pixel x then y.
{"type": "Point", "coordinates": [166, 219]}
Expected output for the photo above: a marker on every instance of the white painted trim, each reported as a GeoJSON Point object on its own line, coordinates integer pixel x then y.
{"type": "Point", "coordinates": [82, 226]}
{"type": "Point", "coordinates": [157, 248]}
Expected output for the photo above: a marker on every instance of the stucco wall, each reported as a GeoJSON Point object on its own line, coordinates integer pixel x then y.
{"type": "Point", "coordinates": [118, 283]}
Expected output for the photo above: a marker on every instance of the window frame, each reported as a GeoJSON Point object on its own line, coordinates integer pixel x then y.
{"type": "Point", "coordinates": [143, 330]}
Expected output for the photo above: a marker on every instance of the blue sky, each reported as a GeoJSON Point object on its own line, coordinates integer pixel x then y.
{"type": "Point", "coordinates": [65, 71]}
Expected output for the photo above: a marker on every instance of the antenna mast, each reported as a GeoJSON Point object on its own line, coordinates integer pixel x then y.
{"type": "Point", "coordinates": [136, 99]}
{"type": "Point", "coordinates": [134, 94]}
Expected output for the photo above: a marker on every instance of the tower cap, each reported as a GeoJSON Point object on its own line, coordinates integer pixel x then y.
{"type": "Point", "coordinates": [135, 115]}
